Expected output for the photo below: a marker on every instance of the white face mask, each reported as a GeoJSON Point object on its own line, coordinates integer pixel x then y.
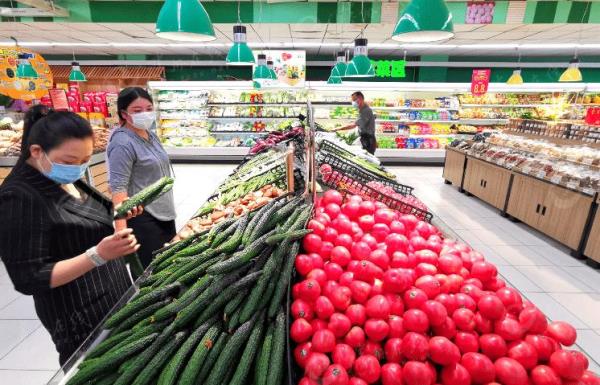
{"type": "Point", "coordinates": [143, 120]}
{"type": "Point", "coordinates": [354, 103]}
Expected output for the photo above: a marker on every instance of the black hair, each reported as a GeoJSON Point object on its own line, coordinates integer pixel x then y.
{"type": "Point", "coordinates": [54, 129]}
{"type": "Point", "coordinates": [359, 94]}
{"type": "Point", "coordinates": [129, 95]}
{"type": "Point", "coordinates": [32, 115]}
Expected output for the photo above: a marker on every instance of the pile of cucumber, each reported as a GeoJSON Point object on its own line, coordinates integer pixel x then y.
{"type": "Point", "coordinates": [213, 309]}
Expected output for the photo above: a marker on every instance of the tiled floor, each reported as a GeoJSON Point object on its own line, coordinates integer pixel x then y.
{"type": "Point", "coordinates": [563, 287]}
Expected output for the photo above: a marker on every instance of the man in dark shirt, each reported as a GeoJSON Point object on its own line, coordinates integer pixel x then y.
{"type": "Point", "coordinates": [365, 123]}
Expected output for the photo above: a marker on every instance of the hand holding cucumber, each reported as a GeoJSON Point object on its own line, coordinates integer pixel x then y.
{"type": "Point", "coordinates": [118, 245]}
{"type": "Point", "coordinates": [135, 211]}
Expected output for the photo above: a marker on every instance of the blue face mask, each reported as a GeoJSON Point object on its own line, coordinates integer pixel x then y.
{"type": "Point", "coordinates": [65, 173]}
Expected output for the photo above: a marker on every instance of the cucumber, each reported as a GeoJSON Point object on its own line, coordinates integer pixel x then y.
{"type": "Point", "coordinates": [193, 249]}
{"type": "Point", "coordinates": [211, 358]}
{"type": "Point", "coordinates": [234, 304]}
{"type": "Point", "coordinates": [141, 315]}
{"type": "Point", "coordinates": [245, 362]}
{"type": "Point", "coordinates": [252, 223]}
{"type": "Point", "coordinates": [230, 352]}
{"type": "Point", "coordinates": [275, 373]}
{"type": "Point", "coordinates": [224, 234]}
{"type": "Point", "coordinates": [198, 271]}
{"type": "Point", "coordinates": [153, 278]}
{"type": "Point", "coordinates": [263, 226]}
{"type": "Point", "coordinates": [108, 380]}
{"type": "Point", "coordinates": [145, 197]}
{"type": "Point", "coordinates": [262, 363]}
{"type": "Point", "coordinates": [139, 303]}
{"type": "Point", "coordinates": [108, 344]}
{"type": "Point", "coordinates": [234, 320]}
{"type": "Point", "coordinates": [110, 361]}
{"type": "Point", "coordinates": [188, 297]}
{"type": "Point", "coordinates": [289, 236]}
{"type": "Point", "coordinates": [284, 280]}
{"type": "Point", "coordinates": [191, 367]}
{"type": "Point", "coordinates": [169, 251]}
{"type": "Point", "coordinates": [178, 272]}
{"type": "Point", "coordinates": [240, 258]}
{"type": "Point", "coordinates": [141, 333]}
{"type": "Point", "coordinates": [220, 228]}
{"type": "Point", "coordinates": [159, 360]}
{"type": "Point", "coordinates": [284, 213]}
{"type": "Point", "coordinates": [235, 240]}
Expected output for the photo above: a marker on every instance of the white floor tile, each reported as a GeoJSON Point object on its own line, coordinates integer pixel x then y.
{"type": "Point", "coordinates": [492, 255]}
{"type": "Point", "coordinates": [518, 279]}
{"type": "Point", "coordinates": [554, 310]}
{"type": "Point", "coordinates": [7, 295]}
{"type": "Point", "coordinates": [585, 274]}
{"type": "Point", "coordinates": [26, 377]}
{"type": "Point", "coordinates": [36, 352]}
{"type": "Point", "coordinates": [13, 332]}
{"type": "Point", "coordinates": [558, 256]}
{"type": "Point", "coordinates": [469, 237]}
{"type": "Point", "coordinates": [21, 308]}
{"type": "Point", "coordinates": [520, 255]}
{"type": "Point", "coordinates": [585, 305]}
{"type": "Point", "coordinates": [553, 279]}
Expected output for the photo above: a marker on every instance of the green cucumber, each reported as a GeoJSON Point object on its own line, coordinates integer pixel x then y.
{"type": "Point", "coordinates": [172, 249]}
{"type": "Point", "coordinates": [262, 363]}
{"type": "Point", "coordinates": [108, 380]}
{"type": "Point", "coordinates": [252, 224]}
{"type": "Point", "coordinates": [263, 226]}
{"type": "Point", "coordinates": [141, 315]}
{"type": "Point", "coordinates": [193, 249]}
{"type": "Point", "coordinates": [223, 235]}
{"type": "Point", "coordinates": [188, 297]}
{"type": "Point", "coordinates": [220, 228]}
{"type": "Point", "coordinates": [159, 360]}
{"type": "Point", "coordinates": [234, 304]}
{"type": "Point", "coordinates": [234, 320]}
{"type": "Point", "coordinates": [198, 271]}
{"type": "Point", "coordinates": [284, 213]}
{"type": "Point", "coordinates": [289, 236]}
{"type": "Point", "coordinates": [141, 333]}
{"type": "Point", "coordinates": [145, 197]}
{"type": "Point", "coordinates": [284, 280]}
{"type": "Point", "coordinates": [243, 366]}
{"type": "Point", "coordinates": [211, 358]}
{"type": "Point", "coordinates": [240, 258]}
{"type": "Point", "coordinates": [108, 344]}
{"type": "Point", "coordinates": [278, 351]}
{"type": "Point", "coordinates": [191, 367]}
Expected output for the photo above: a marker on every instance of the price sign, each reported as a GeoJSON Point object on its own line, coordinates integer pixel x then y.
{"type": "Point", "coordinates": [58, 96]}
{"type": "Point", "coordinates": [480, 81]}
{"type": "Point", "coordinates": [587, 161]}
{"type": "Point", "coordinates": [572, 185]}
{"type": "Point", "coordinates": [541, 174]}
{"type": "Point", "coordinates": [592, 116]}
{"type": "Point", "coordinates": [556, 179]}
{"type": "Point", "coordinates": [526, 170]}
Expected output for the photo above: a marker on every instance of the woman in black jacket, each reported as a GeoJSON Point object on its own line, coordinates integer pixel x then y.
{"type": "Point", "coordinates": [57, 238]}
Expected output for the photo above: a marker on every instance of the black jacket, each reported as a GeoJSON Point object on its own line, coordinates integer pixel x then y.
{"type": "Point", "coordinates": [40, 225]}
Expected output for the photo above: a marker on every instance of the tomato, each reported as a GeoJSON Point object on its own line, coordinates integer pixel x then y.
{"type": "Point", "coordinates": [327, 289]}
{"type": "Point", "coordinates": [323, 341]}
{"type": "Point", "coordinates": [341, 297]}
{"type": "Point", "coordinates": [344, 240]}
{"type": "Point", "coordinates": [532, 320]}
{"type": "Point", "coordinates": [351, 209]}
{"type": "Point", "coordinates": [335, 375]}
{"type": "Point", "coordinates": [317, 227]}
{"type": "Point", "coordinates": [543, 345]}
{"type": "Point", "coordinates": [330, 234]}
{"type": "Point", "coordinates": [417, 242]}
{"type": "Point", "coordinates": [312, 243]}
{"type": "Point", "coordinates": [446, 329]}
{"type": "Point", "coordinates": [396, 242]}
{"type": "Point", "coordinates": [436, 312]}
{"type": "Point", "coordinates": [448, 301]}
{"type": "Point", "coordinates": [493, 346]}
{"type": "Point", "coordinates": [360, 250]}
{"type": "Point", "coordinates": [415, 346]}
{"type": "Point", "coordinates": [318, 324]}
{"type": "Point", "coordinates": [467, 342]}
{"type": "Point", "coordinates": [356, 314]}
{"type": "Point", "coordinates": [332, 196]}
{"type": "Point", "coordinates": [318, 275]}
{"type": "Point", "coordinates": [449, 264]}
{"type": "Point", "coordinates": [429, 284]}
{"type": "Point", "coordinates": [494, 284]}
{"type": "Point", "coordinates": [380, 231]}
{"type": "Point", "coordinates": [372, 348]}
{"type": "Point", "coordinates": [325, 251]}
{"type": "Point", "coordinates": [474, 282]}
{"type": "Point", "coordinates": [378, 307]}
{"type": "Point", "coordinates": [376, 329]}
{"type": "Point", "coordinates": [455, 374]}
{"type": "Point", "coordinates": [414, 298]}
{"type": "Point", "coordinates": [568, 364]}
{"type": "Point", "coordinates": [370, 240]}
{"type": "Point", "coordinates": [402, 260]}
{"type": "Point", "coordinates": [355, 337]}
{"type": "Point", "coordinates": [510, 372]}
{"type": "Point", "coordinates": [322, 217]}
{"type": "Point", "coordinates": [426, 269]}
{"type": "Point", "coordinates": [366, 222]}
{"type": "Point", "coordinates": [416, 320]}
{"type": "Point", "coordinates": [417, 373]}
{"type": "Point", "coordinates": [508, 329]}
{"type": "Point", "coordinates": [396, 324]}
{"type": "Point", "coordinates": [333, 210]}
{"type": "Point", "coordinates": [301, 330]}
{"type": "Point", "coordinates": [360, 291]}
{"type": "Point", "coordinates": [367, 271]}
{"type": "Point", "coordinates": [302, 309]}
{"type": "Point", "coordinates": [367, 367]}
{"type": "Point", "coordinates": [398, 227]}
{"type": "Point", "coordinates": [491, 307]}
{"type": "Point", "coordinates": [472, 290]}
{"type": "Point", "coordinates": [479, 366]}
{"type": "Point", "coordinates": [316, 365]}
{"type": "Point", "coordinates": [442, 351]}
{"type": "Point", "coordinates": [544, 375]}
{"type": "Point", "coordinates": [344, 356]}
{"type": "Point", "coordinates": [301, 353]}
{"type": "Point", "coordinates": [524, 353]}
{"type": "Point", "coordinates": [333, 271]}
{"type": "Point", "coordinates": [482, 324]}
{"type": "Point", "coordinates": [562, 332]}
{"type": "Point", "coordinates": [397, 280]}
{"type": "Point", "coordinates": [357, 381]}
{"type": "Point", "coordinates": [465, 301]}
{"type": "Point", "coordinates": [303, 264]}
{"type": "Point", "coordinates": [464, 319]}
{"type": "Point", "coordinates": [483, 270]}
{"type": "Point", "coordinates": [590, 378]}
{"type": "Point", "coordinates": [391, 374]}
{"type": "Point", "coordinates": [380, 258]}
{"type": "Point", "coordinates": [307, 381]}
{"type": "Point", "coordinates": [343, 226]}
{"type": "Point", "coordinates": [309, 290]}
{"type": "Point", "coordinates": [340, 255]}
{"type": "Point", "coordinates": [346, 278]}
{"type": "Point", "coordinates": [393, 350]}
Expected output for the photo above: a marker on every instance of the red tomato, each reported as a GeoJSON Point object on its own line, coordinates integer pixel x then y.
{"type": "Point", "coordinates": [417, 373]}
{"type": "Point", "coordinates": [453, 283]}
{"type": "Point", "coordinates": [562, 332]}
{"type": "Point", "coordinates": [332, 196]}
{"type": "Point", "coordinates": [475, 282]}
{"type": "Point", "coordinates": [396, 324]}
{"type": "Point", "coordinates": [436, 312]}
{"type": "Point", "coordinates": [397, 280]}
{"type": "Point", "coordinates": [357, 314]}
{"type": "Point", "coordinates": [302, 309]}
{"type": "Point", "coordinates": [370, 240]}
{"type": "Point", "coordinates": [339, 324]}
{"type": "Point", "coordinates": [391, 374]}
{"type": "Point", "coordinates": [378, 307]}
{"type": "Point", "coordinates": [465, 301]}
{"type": "Point", "coordinates": [322, 217]}
{"type": "Point", "coordinates": [330, 235]}
{"type": "Point", "coordinates": [417, 242]}
{"type": "Point", "coordinates": [416, 320]}
{"type": "Point", "coordinates": [351, 209]}
{"type": "Point", "coordinates": [508, 329]}
{"type": "Point", "coordinates": [309, 290]}
{"type": "Point", "coordinates": [360, 291]}
{"type": "Point", "coordinates": [397, 227]}
{"type": "Point", "coordinates": [532, 320]}
{"type": "Point", "coordinates": [335, 375]}
{"type": "Point", "coordinates": [442, 351]}
{"type": "Point", "coordinates": [355, 337]}
{"type": "Point", "coordinates": [323, 341]}
{"type": "Point", "coordinates": [472, 290]}
{"type": "Point", "coordinates": [590, 378]}
{"type": "Point", "coordinates": [568, 364]}
{"type": "Point", "coordinates": [301, 330]}
{"type": "Point", "coordinates": [483, 325]}
{"type": "Point", "coordinates": [301, 353]}
{"type": "Point", "coordinates": [333, 271]}
{"type": "Point", "coordinates": [491, 307]}
{"type": "Point", "coordinates": [327, 290]}
{"type": "Point", "coordinates": [366, 222]}
{"type": "Point", "coordinates": [303, 264]}
{"type": "Point", "coordinates": [341, 297]}
{"type": "Point", "coordinates": [544, 375]}
{"type": "Point", "coordinates": [317, 260]}
{"type": "Point", "coordinates": [510, 372]}
{"type": "Point", "coordinates": [483, 270]}
{"type": "Point", "coordinates": [480, 367]}
{"type": "Point", "coordinates": [344, 240]}
{"type": "Point", "coordinates": [455, 374]}
{"type": "Point", "coordinates": [401, 260]}
{"type": "Point", "coordinates": [524, 353]}
{"type": "Point", "coordinates": [447, 329]}
{"type": "Point", "coordinates": [466, 342]}
{"type": "Point", "coordinates": [464, 319]}
{"type": "Point", "coordinates": [376, 329]}
{"type": "Point", "coordinates": [316, 365]}
{"type": "Point", "coordinates": [396, 303]}
{"type": "Point", "coordinates": [543, 345]}
{"type": "Point", "coordinates": [429, 284]}
{"type": "Point", "coordinates": [415, 346]}
{"type": "Point", "coordinates": [317, 227]}
{"type": "Point", "coordinates": [325, 251]}
{"type": "Point", "coordinates": [323, 308]}
{"type": "Point", "coordinates": [346, 279]}
{"type": "Point", "coordinates": [357, 381]}
{"type": "Point", "coordinates": [340, 255]}
{"type": "Point", "coordinates": [342, 225]}
{"type": "Point", "coordinates": [493, 346]}
{"type": "Point", "coordinates": [318, 275]}
{"type": "Point", "coordinates": [426, 269]}
{"type": "Point", "coordinates": [449, 302]}
{"type": "Point", "coordinates": [386, 216]}
{"type": "Point", "coordinates": [312, 243]}
{"type": "Point", "coordinates": [318, 324]}
{"type": "Point", "coordinates": [372, 348]}
{"type": "Point", "coordinates": [360, 250]}
{"type": "Point", "coordinates": [307, 381]}
{"type": "Point", "coordinates": [396, 242]}
{"type": "Point", "coordinates": [414, 298]}
{"type": "Point", "coordinates": [495, 284]}
{"type": "Point", "coordinates": [344, 356]}
{"type": "Point", "coordinates": [367, 367]}
{"type": "Point", "coordinates": [449, 264]}
{"type": "Point", "coordinates": [393, 350]}
{"type": "Point", "coordinates": [367, 271]}
{"type": "Point", "coordinates": [380, 258]}
{"type": "Point", "coordinates": [366, 208]}
{"type": "Point", "coordinates": [380, 231]}
{"type": "Point", "coordinates": [333, 210]}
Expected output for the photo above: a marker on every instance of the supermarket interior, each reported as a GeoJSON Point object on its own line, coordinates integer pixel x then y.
{"type": "Point", "coordinates": [300, 181]}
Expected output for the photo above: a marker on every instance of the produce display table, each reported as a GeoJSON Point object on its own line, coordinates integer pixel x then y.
{"type": "Point", "coordinates": [487, 181]}
{"type": "Point", "coordinates": [98, 173]}
{"type": "Point", "coordinates": [592, 248]}
{"type": "Point", "coordinates": [454, 167]}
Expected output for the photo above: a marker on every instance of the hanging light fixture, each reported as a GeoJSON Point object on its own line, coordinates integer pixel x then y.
{"type": "Point", "coordinates": [424, 21]}
{"type": "Point", "coordinates": [261, 71]}
{"type": "Point", "coordinates": [240, 54]}
{"type": "Point", "coordinates": [271, 70]}
{"type": "Point", "coordinates": [516, 78]}
{"type": "Point", "coordinates": [339, 69]}
{"type": "Point", "coordinates": [334, 80]}
{"type": "Point", "coordinates": [360, 66]}
{"type": "Point", "coordinates": [572, 73]}
{"type": "Point", "coordinates": [184, 20]}
{"type": "Point", "coordinates": [24, 69]}
{"type": "Point", "coordinates": [76, 74]}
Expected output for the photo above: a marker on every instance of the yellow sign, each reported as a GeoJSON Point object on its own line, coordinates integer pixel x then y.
{"type": "Point", "coordinates": [25, 89]}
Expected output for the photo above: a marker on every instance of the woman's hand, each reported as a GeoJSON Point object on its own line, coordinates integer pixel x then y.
{"type": "Point", "coordinates": [136, 211]}
{"type": "Point", "coordinates": [118, 245]}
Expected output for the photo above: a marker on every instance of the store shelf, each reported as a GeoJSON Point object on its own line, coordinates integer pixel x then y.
{"type": "Point", "coordinates": [241, 132]}
{"type": "Point", "coordinates": [483, 122]}
{"type": "Point", "coordinates": [399, 134]}
{"type": "Point", "coordinates": [238, 118]}
{"type": "Point", "coordinates": [183, 108]}
{"type": "Point", "coordinates": [183, 154]}
{"type": "Point", "coordinates": [257, 104]}
{"type": "Point", "coordinates": [414, 109]}
{"type": "Point", "coordinates": [506, 105]}
{"type": "Point", "coordinates": [429, 156]}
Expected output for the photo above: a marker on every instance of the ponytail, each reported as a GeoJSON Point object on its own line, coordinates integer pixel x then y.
{"type": "Point", "coordinates": [32, 115]}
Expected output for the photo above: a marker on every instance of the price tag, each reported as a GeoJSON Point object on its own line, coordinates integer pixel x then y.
{"type": "Point", "coordinates": [541, 174]}
{"type": "Point", "coordinates": [556, 179]}
{"type": "Point", "coordinates": [572, 185]}
{"type": "Point", "coordinates": [501, 162]}
{"type": "Point", "coordinates": [588, 191]}
{"type": "Point", "coordinates": [526, 170]}
{"type": "Point", "coordinates": [587, 161]}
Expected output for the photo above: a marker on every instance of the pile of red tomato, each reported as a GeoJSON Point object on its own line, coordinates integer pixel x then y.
{"type": "Point", "coordinates": [384, 299]}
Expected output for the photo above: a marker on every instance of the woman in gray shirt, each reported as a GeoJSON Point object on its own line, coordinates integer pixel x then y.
{"type": "Point", "coordinates": [137, 159]}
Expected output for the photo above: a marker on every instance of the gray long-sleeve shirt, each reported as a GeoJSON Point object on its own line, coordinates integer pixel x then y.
{"type": "Point", "coordinates": [366, 121]}
{"type": "Point", "coordinates": [135, 163]}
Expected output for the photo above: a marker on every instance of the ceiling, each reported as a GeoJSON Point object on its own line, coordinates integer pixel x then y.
{"type": "Point", "coordinates": [132, 38]}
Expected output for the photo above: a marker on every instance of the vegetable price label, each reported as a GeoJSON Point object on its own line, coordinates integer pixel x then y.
{"type": "Point", "coordinates": [541, 174]}
{"type": "Point", "coordinates": [587, 161]}
{"type": "Point", "coordinates": [556, 179]}
{"type": "Point", "coordinates": [572, 185]}
{"type": "Point", "coordinates": [480, 81]}
{"type": "Point", "coordinates": [526, 170]}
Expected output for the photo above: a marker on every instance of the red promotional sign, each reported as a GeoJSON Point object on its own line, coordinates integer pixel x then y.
{"type": "Point", "coordinates": [592, 116]}
{"type": "Point", "coordinates": [58, 96]}
{"type": "Point", "coordinates": [480, 81]}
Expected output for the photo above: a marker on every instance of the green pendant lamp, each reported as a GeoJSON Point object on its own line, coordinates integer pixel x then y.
{"type": "Point", "coordinates": [240, 54]}
{"type": "Point", "coordinates": [424, 21]}
{"type": "Point", "coordinates": [261, 71]}
{"type": "Point", "coordinates": [24, 69]}
{"type": "Point", "coordinates": [339, 69]}
{"type": "Point", "coordinates": [271, 70]}
{"type": "Point", "coordinates": [76, 74]}
{"type": "Point", "coordinates": [334, 80]}
{"type": "Point", "coordinates": [360, 66]}
{"type": "Point", "coordinates": [184, 20]}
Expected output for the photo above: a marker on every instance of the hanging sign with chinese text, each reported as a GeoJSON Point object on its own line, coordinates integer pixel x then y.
{"type": "Point", "coordinates": [389, 68]}
{"type": "Point", "coordinates": [480, 82]}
